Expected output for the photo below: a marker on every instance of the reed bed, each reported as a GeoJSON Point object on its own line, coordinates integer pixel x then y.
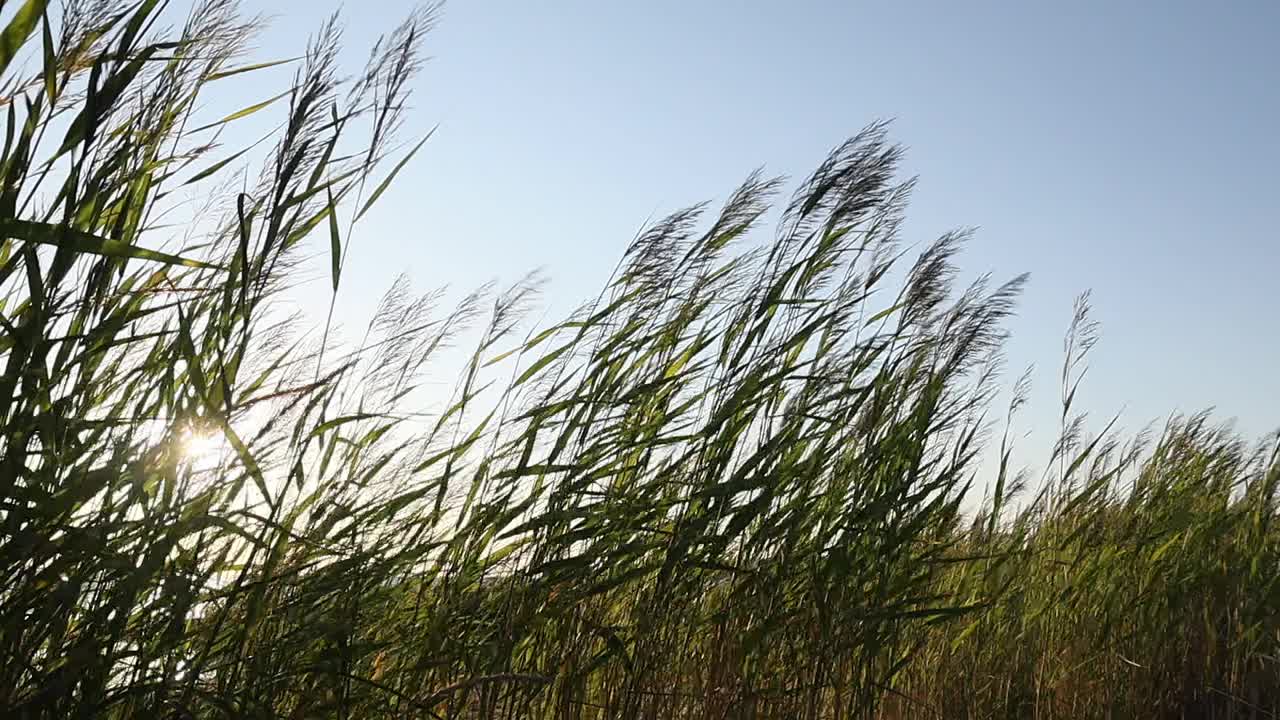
{"type": "Point", "coordinates": [730, 486]}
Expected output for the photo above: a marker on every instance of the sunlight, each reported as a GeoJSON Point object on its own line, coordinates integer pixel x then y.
{"type": "Point", "coordinates": [201, 447]}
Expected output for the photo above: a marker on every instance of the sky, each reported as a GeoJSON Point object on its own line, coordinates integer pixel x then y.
{"type": "Point", "coordinates": [1128, 148]}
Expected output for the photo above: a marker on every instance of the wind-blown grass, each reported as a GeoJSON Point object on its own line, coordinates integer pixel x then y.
{"type": "Point", "coordinates": [730, 486]}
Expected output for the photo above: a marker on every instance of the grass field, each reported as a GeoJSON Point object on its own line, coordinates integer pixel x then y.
{"type": "Point", "coordinates": [730, 486]}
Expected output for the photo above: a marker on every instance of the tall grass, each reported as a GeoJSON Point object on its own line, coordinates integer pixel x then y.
{"type": "Point", "coordinates": [729, 486]}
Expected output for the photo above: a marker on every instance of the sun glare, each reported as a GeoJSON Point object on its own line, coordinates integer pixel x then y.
{"type": "Point", "coordinates": [202, 447]}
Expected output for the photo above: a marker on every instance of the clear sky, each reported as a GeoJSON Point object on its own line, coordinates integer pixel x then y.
{"type": "Point", "coordinates": [1126, 147]}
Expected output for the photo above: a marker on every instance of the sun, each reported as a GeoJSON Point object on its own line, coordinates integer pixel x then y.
{"type": "Point", "coordinates": [201, 446]}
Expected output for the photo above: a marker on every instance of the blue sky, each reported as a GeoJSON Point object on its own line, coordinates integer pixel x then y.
{"type": "Point", "coordinates": [1130, 148]}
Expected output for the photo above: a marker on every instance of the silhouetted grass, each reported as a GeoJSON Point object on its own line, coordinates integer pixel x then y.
{"type": "Point", "coordinates": [730, 486]}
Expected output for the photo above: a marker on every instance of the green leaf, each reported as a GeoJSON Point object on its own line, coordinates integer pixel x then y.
{"type": "Point", "coordinates": [19, 29]}
{"type": "Point", "coordinates": [391, 176]}
{"type": "Point", "coordinates": [528, 345]}
{"type": "Point", "coordinates": [215, 167]}
{"type": "Point", "coordinates": [135, 24]}
{"type": "Point", "coordinates": [340, 421]}
{"type": "Point", "coordinates": [301, 232]}
{"type": "Point", "coordinates": [335, 243]}
{"type": "Point", "coordinates": [1165, 547]}
{"type": "Point", "coordinates": [299, 198]}
{"type": "Point", "coordinates": [542, 362]}
{"type": "Point", "coordinates": [245, 112]}
{"type": "Point", "coordinates": [883, 314]}
{"type": "Point", "coordinates": [251, 68]}
{"type": "Point", "coordinates": [50, 62]}
{"type": "Point", "coordinates": [67, 237]}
